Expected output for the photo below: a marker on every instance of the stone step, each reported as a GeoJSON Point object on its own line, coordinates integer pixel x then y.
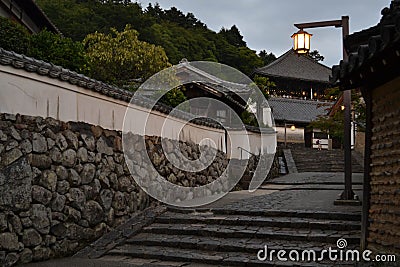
{"type": "Point", "coordinates": [312, 160]}
{"type": "Point", "coordinates": [283, 222]}
{"type": "Point", "coordinates": [270, 233]}
{"type": "Point", "coordinates": [342, 216]}
{"type": "Point", "coordinates": [226, 244]}
{"type": "Point", "coordinates": [196, 256]}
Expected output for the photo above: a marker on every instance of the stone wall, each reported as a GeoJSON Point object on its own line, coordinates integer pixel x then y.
{"type": "Point", "coordinates": [63, 185]}
{"type": "Point", "coordinates": [384, 212]}
{"type": "Point", "coordinates": [191, 151]}
{"type": "Point", "coordinates": [251, 167]}
{"type": "Point", "coordinates": [360, 143]}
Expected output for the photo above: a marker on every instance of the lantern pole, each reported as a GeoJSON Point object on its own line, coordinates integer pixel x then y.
{"type": "Point", "coordinates": [347, 196]}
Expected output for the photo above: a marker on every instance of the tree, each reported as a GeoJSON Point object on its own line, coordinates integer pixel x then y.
{"type": "Point", "coordinates": [120, 57]}
{"type": "Point", "coordinates": [174, 97]}
{"type": "Point", "coordinates": [233, 36]}
{"type": "Point", "coordinates": [264, 84]}
{"type": "Point", "coordinates": [248, 118]}
{"type": "Point", "coordinates": [47, 46]}
{"type": "Point", "coordinates": [267, 58]}
{"type": "Point", "coordinates": [156, 11]}
{"type": "Point", "coordinates": [181, 35]}
{"type": "Point", "coordinates": [333, 124]}
{"type": "Point", "coordinates": [14, 37]}
{"type": "Point", "coordinates": [247, 60]}
{"type": "Point", "coordinates": [315, 55]}
{"type": "Point", "coordinates": [58, 50]}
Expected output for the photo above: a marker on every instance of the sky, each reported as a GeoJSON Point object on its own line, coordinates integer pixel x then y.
{"type": "Point", "coordinates": [268, 24]}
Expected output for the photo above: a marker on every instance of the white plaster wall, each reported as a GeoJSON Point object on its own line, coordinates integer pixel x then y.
{"type": "Point", "coordinates": [296, 136]}
{"type": "Point", "coordinates": [35, 95]}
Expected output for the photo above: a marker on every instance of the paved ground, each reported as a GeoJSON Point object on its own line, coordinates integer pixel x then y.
{"type": "Point", "coordinates": [292, 211]}
{"type": "Point", "coordinates": [305, 191]}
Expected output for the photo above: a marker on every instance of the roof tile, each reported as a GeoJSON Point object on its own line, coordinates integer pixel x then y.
{"type": "Point", "coordinates": [297, 110]}
{"type": "Point", "coordinates": [292, 65]}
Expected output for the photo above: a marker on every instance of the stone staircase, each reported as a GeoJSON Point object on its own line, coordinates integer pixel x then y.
{"type": "Point", "coordinates": [313, 160]}
{"type": "Point", "coordinates": [228, 237]}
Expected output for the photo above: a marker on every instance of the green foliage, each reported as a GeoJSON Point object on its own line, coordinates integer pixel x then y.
{"type": "Point", "coordinates": [174, 97]}
{"type": "Point", "coordinates": [248, 118]}
{"type": "Point", "coordinates": [58, 50]}
{"type": "Point", "coordinates": [14, 37]}
{"type": "Point", "coordinates": [247, 60]}
{"type": "Point", "coordinates": [181, 35]}
{"type": "Point", "coordinates": [267, 58]}
{"type": "Point", "coordinates": [315, 55]}
{"type": "Point", "coordinates": [332, 93]}
{"type": "Point", "coordinates": [360, 113]}
{"type": "Point", "coordinates": [233, 36]}
{"type": "Point", "coordinates": [264, 84]}
{"type": "Point", "coordinates": [120, 57]}
{"type": "Point", "coordinates": [333, 125]}
{"type": "Point", "coordinates": [44, 45]}
{"type": "Point", "coordinates": [78, 18]}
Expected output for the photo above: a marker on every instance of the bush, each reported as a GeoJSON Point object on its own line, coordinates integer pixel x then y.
{"type": "Point", "coordinates": [14, 37]}
{"type": "Point", "coordinates": [58, 50]}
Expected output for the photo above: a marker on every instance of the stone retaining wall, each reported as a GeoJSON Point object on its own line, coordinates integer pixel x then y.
{"type": "Point", "coordinates": [62, 185]}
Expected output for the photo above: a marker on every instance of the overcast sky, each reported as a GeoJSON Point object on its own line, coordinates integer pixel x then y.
{"type": "Point", "coordinates": [268, 24]}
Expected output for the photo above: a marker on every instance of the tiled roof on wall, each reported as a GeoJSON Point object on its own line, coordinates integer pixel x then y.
{"type": "Point", "coordinates": [40, 67]}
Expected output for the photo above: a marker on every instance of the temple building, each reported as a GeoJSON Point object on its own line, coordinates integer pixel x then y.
{"type": "Point", "coordinates": [297, 76]}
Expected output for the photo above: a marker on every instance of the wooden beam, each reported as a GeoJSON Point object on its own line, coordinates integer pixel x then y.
{"type": "Point", "coordinates": [328, 23]}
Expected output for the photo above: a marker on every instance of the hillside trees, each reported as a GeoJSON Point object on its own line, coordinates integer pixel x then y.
{"type": "Point", "coordinates": [181, 35]}
{"type": "Point", "coordinates": [233, 36]}
{"type": "Point", "coordinates": [266, 57]}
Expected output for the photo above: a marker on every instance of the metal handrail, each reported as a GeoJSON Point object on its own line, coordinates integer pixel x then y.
{"type": "Point", "coordinates": [243, 149]}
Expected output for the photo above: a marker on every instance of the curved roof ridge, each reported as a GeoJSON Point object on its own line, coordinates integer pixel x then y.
{"type": "Point", "coordinates": [276, 61]}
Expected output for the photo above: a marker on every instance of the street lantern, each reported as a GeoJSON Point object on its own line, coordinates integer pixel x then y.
{"type": "Point", "coordinates": [301, 42]}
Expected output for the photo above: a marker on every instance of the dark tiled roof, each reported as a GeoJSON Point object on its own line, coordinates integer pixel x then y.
{"type": "Point", "coordinates": [226, 86]}
{"type": "Point", "coordinates": [374, 53]}
{"type": "Point", "coordinates": [40, 67]}
{"type": "Point", "coordinates": [217, 87]}
{"type": "Point", "coordinates": [297, 110]}
{"type": "Point", "coordinates": [294, 66]}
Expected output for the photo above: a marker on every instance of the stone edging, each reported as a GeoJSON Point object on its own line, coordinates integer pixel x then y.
{"type": "Point", "coordinates": [119, 234]}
